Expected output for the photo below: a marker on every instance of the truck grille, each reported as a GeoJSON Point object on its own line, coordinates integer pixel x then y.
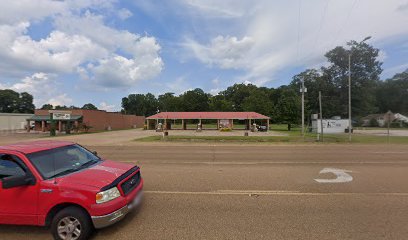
{"type": "Point", "coordinates": [131, 183]}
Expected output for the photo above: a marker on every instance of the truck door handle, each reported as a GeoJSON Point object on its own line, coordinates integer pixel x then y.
{"type": "Point", "coordinates": [46, 190]}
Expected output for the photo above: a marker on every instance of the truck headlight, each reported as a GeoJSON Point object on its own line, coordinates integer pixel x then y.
{"type": "Point", "coordinates": [107, 195]}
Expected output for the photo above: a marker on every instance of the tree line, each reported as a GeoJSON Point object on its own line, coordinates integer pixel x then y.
{"type": "Point", "coordinates": [283, 104]}
{"type": "Point", "coordinates": [369, 94]}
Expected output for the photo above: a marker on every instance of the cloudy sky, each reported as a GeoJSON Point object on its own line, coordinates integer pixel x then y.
{"type": "Point", "coordinates": [98, 51]}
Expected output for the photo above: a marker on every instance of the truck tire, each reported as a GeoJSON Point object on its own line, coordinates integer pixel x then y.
{"type": "Point", "coordinates": [71, 223]}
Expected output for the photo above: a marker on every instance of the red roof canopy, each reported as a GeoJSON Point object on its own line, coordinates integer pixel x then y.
{"type": "Point", "coordinates": [208, 115]}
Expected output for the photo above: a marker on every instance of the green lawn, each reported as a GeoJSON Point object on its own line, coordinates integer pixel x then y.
{"type": "Point", "coordinates": [294, 137]}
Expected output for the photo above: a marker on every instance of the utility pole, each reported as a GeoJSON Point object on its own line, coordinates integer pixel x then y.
{"type": "Point", "coordinates": [303, 106]}
{"type": "Point", "coordinates": [349, 95]}
{"type": "Point", "coordinates": [321, 114]}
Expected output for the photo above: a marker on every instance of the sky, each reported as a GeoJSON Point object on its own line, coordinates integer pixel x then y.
{"type": "Point", "coordinates": [98, 51]}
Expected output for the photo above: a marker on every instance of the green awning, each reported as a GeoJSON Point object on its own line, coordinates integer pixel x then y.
{"type": "Point", "coordinates": [47, 118]}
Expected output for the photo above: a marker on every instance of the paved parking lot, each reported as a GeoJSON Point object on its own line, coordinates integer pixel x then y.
{"type": "Point", "coordinates": [260, 192]}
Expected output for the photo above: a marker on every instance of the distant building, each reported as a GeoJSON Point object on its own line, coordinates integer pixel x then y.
{"type": "Point", "coordinates": [222, 119]}
{"type": "Point", "coordinates": [13, 121]}
{"type": "Point", "coordinates": [333, 125]}
{"type": "Point", "coordinates": [99, 120]}
{"type": "Point", "coordinates": [381, 119]}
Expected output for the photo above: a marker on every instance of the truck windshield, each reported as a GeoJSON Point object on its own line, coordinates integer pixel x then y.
{"type": "Point", "coordinates": [63, 160]}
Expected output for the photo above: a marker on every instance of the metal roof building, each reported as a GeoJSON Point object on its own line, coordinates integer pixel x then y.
{"type": "Point", "coordinates": [223, 118]}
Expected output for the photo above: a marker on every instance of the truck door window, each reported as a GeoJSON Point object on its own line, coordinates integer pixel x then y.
{"type": "Point", "coordinates": [10, 167]}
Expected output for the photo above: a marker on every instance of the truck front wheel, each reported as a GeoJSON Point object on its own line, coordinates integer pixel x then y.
{"type": "Point", "coordinates": [71, 223]}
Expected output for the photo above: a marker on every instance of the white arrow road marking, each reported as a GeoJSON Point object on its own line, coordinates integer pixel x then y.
{"type": "Point", "coordinates": [342, 176]}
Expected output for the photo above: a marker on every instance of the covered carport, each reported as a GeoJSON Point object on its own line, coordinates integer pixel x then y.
{"type": "Point", "coordinates": [223, 119]}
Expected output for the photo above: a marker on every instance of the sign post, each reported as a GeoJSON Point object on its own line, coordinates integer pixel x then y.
{"type": "Point", "coordinates": [58, 115]}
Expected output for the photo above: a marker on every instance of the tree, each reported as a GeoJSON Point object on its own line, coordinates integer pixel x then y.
{"type": "Point", "coordinates": [315, 81]}
{"type": "Point", "coordinates": [237, 93]}
{"type": "Point", "coordinates": [218, 103]}
{"type": "Point", "coordinates": [26, 103]}
{"type": "Point", "coordinates": [365, 75]}
{"type": "Point", "coordinates": [89, 106]}
{"type": "Point", "coordinates": [14, 102]}
{"type": "Point", "coordinates": [140, 104]}
{"type": "Point", "coordinates": [392, 94]}
{"type": "Point", "coordinates": [195, 101]}
{"type": "Point", "coordinates": [168, 102]}
{"type": "Point", "coordinates": [288, 107]}
{"type": "Point", "coordinates": [259, 102]}
{"type": "Point", "coordinates": [47, 106]}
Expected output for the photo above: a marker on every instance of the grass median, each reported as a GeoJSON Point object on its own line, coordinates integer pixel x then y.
{"type": "Point", "coordinates": [291, 138]}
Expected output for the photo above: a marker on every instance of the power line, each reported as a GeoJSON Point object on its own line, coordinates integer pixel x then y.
{"type": "Point", "coordinates": [298, 35]}
{"type": "Point", "coordinates": [345, 22]}
{"type": "Point", "coordinates": [321, 25]}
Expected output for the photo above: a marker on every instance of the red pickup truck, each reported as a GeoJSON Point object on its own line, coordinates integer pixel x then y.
{"type": "Point", "coordinates": [64, 186]}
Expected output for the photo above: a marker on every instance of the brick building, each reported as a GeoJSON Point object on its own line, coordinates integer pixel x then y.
{"type": "Point", "coordinates": [99, 120]}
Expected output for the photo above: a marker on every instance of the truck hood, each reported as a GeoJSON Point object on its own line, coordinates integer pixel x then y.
{"type": "Point", "coordinates": [98, 175]}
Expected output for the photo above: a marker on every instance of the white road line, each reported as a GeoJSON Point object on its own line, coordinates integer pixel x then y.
{"type": "Point", "coordinates": [282, 193]}
{"type": "Point", "coordinates": [256, 163]}
{"type": "Point", "coordinates": [390, 152]}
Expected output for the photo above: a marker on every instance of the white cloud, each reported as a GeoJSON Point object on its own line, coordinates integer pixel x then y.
{"type": "Point", "coordinates": [79, 43]}
{"type": "Point", "coordinates": [274, 39]}
{"type": "Point", "coordinates": [43, 87]}
{"type": "Point", "coordinates": [115, 70]}
{"type": "Point", "coordinates": [124, 13]}
{"type": "Point", "coordinates": [107, 107]}
{"type": "Point", "coordinates": [225, 52]}
{"type": "Point", "coordinates": [179, 86]}
{"type": "Point", "coordinates": [58, 52]}
{"type": "Point", "coordinates": [60, 100]}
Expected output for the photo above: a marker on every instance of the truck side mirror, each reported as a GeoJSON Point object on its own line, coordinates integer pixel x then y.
{"type": "Point", "coordinates": [17, 181]}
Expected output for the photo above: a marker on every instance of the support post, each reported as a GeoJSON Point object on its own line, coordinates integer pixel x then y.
{"type": "Point", "coordinates": [42, 126]}
{"type": "Point", "coordinates": [321, 114]}
{"type": "Point", "coordinates": [59, 126]}
{"type": "Point", "coordinates": [28, 126]}
{"type": "Point", "coordinates": [76, 124]}
{"type": "Point", "coordinates": [267, 125]}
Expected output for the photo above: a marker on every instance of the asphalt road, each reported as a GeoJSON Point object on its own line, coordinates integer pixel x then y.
{"type": "Point", "coordinates": [260, 192]}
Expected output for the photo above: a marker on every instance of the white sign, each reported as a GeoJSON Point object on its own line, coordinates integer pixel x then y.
{"type": "Point", "coordinates": [61, 116]}
{"type": "Point", "coordinates": [342, 176]}
{"type": "Point", "coordinates": [330, 125]}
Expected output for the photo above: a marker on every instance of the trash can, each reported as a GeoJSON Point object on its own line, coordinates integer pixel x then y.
{"type": "Point", "coordinates": [246, 134]}
{"type": "Point", "coordinates": [347, 130]}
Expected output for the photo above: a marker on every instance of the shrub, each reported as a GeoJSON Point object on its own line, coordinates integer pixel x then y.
{"type": "Point", "coordinates": [373, 122]}
{"type": "Point", "coordinates": [86, 127]}
{"type": "Point", "coordinates": [395, 124]}
{"type": "Point", "coordinates": [225, 129]}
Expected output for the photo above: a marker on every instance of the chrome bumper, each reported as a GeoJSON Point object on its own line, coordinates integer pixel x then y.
{"type": "Point", "coordinates": [116, 216]}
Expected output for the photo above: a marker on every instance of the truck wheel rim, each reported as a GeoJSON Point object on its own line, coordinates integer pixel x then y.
{"type": "Point", "coordinates": [69, 228]}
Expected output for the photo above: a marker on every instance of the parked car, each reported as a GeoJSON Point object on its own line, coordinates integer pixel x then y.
{"type": "Point", "coordinates": [262, 128]}
{"type": "Point", "coordinates": [65, 186]}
